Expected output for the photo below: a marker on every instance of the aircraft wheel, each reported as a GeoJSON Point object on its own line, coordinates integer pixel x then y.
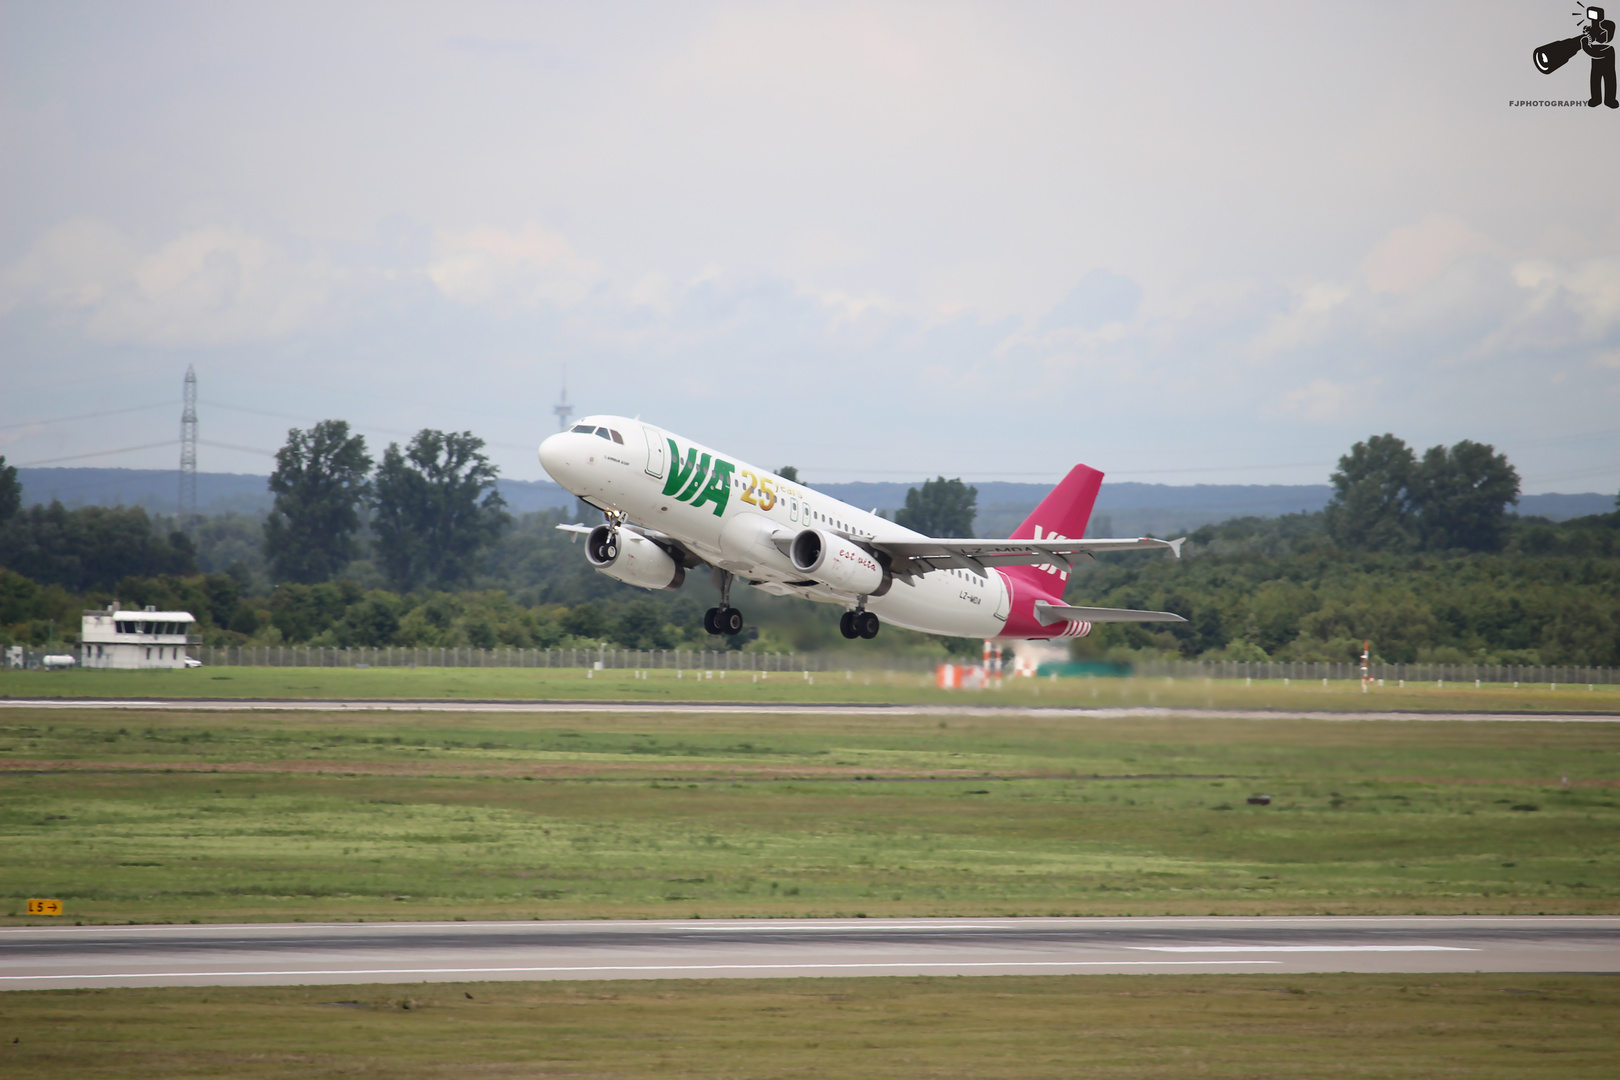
{"type": "Point", "coordinates": [846, 625]}
{"type": "Point", "coordinates": [867, 623]}
{"type": "Point", "coordinates": [730, 621]}
{"type": "Point", "coordinates": [711, 620]}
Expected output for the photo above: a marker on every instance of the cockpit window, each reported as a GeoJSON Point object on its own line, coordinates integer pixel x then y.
{"type": "Point", "coordinates": [583, 429]}
{"type": "Point", "coordinates": [602, 433]}
{"type": "Point", "coordinates": [616, 437]}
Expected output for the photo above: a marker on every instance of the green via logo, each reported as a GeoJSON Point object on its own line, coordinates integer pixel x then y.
{"type": "Point", "coordinates": [686, 480]}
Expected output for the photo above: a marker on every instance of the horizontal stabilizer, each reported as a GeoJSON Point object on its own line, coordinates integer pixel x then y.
{"type": "Point", "coordinates": [1047, 614]}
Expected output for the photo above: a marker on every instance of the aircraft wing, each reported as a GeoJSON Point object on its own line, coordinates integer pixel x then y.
{"type": "Point", "coordinates": [1047, 614]}
{"type": "Point", "coordinates": [651, 534]}
{"type": "Point", "coordinates": [922, 556]}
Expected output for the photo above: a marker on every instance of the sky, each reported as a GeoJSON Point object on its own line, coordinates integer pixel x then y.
{"type": "Point", "coordinates": [1183, 243]}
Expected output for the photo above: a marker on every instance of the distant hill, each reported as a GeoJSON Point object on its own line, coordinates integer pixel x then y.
{"type": "Point", "coordinates": [1555, 507]}
{"type": "Point", "coordinates": [156, 489]}
{"type": "Point", "coordinates": [1123, 509]}
{"type": "Point", "coordinates": [217, 493]}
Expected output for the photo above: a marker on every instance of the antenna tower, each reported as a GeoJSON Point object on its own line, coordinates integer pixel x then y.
{"type": "Point", "coordinates": [188, 448]}
{"type": "Point", "coordinates": [562, 408]}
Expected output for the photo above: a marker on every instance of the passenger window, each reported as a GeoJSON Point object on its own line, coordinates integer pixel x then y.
{"type": "Point", "coordinates": [617, 437]}
{"type": "Point", "coordinates": [602, 433]}
{"type": "Point", "coordinates": [583, 429]}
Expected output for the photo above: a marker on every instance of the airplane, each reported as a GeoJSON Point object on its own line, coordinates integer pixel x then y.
{"type": "Point", "coordinates": [672, 505]}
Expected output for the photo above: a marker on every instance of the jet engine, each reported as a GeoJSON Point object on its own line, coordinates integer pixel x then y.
{"type": "Point", "coordinates": [632, 558]}
{"type": "Point", "coordinates": [832, 560]}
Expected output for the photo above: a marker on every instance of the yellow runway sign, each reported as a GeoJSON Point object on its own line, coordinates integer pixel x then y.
{"type": "Point", "coordinates": [44, 907]}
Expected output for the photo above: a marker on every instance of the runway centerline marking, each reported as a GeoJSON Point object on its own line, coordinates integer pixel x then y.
{"type": "Point", "coordinates": [1299, 948]}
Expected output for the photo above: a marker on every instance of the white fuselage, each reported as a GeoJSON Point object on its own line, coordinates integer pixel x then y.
{"type": "Point", "coordinates": [733, 516]}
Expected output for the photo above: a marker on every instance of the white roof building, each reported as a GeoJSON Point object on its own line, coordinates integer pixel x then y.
{"type": "Point", "coordinates": [135, 639]}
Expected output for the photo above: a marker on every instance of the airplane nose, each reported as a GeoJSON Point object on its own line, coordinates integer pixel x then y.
{"type": "Point", "coordinates": [554, 457]}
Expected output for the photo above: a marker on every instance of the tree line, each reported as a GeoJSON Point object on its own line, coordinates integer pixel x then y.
{"type": "Point", "coordinates": [1283, 589]}
{"type": "Point", "coordinates": [92, 547]}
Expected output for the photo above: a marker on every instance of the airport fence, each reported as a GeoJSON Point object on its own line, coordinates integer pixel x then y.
{"type": "Point", "coordinates": [601, 658]}
{"type": "Point", "coordinates": [1397, 674]}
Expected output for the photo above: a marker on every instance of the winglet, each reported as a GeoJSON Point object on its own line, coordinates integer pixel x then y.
{"type": "Point", "coordinates": [1175, 546]}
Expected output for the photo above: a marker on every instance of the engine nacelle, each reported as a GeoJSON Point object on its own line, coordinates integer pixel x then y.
{"type": "Point", "coordinates": [632, 558]}
{"type": "Point", "coordinates": [830, 559]}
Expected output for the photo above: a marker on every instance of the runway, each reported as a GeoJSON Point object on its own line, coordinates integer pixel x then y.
{"type": "Point", "coordinates": [41, 958]}
{"type": "Point", "coordinates": [708, 708]}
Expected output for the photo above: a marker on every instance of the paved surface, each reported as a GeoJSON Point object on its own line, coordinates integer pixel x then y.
{"type": "Point", "coordinates": [775, 708]}
{"type": "Point", "coordinates": [34, 958]}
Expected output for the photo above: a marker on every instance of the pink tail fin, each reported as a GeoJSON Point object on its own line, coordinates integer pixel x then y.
{"type": "Point", "coordinates": [1066, 510]}
{"type": "Point", "coordinates": [1064, 513]}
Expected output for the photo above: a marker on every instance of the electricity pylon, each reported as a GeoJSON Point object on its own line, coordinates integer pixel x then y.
{"type": "Point", "coordinates": [188, 449]}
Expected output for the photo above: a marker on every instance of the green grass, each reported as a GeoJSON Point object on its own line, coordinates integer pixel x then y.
{"type": "Point", "coordinates": [175, 816]}
{"type": "Point", "coordinates": [1481, 1026]}
{"type": "Point", "coordinates": [832, 687]}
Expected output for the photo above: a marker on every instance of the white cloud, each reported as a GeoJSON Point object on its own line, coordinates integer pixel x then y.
{"type": "Point", "coordinates": [846, 307]}
{"type": "Point", "coordinates": [1414, 255]}
{"type": "Point", "coordinates": [1594, 294]}
{"type": "Point", "coordinates": [488, 266]}
{"type": "Point", "coordinates": [1308, 320]}
{"type": "Point", "coordinates": [73, 266]}
{"type": "Point", "coordinates": [211, 286]}
{"type": "Point", "coordinates": [1325, 400]}
{"type": "Point", "coordinates": [1557, 306]}
{"type": "Point", "coordinates": [653, 290]}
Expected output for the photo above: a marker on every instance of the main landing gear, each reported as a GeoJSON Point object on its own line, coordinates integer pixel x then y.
{"type": "Point", "coordinates": [724, 619]}
{"type": "Point", "coordinates": [859, 623]}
